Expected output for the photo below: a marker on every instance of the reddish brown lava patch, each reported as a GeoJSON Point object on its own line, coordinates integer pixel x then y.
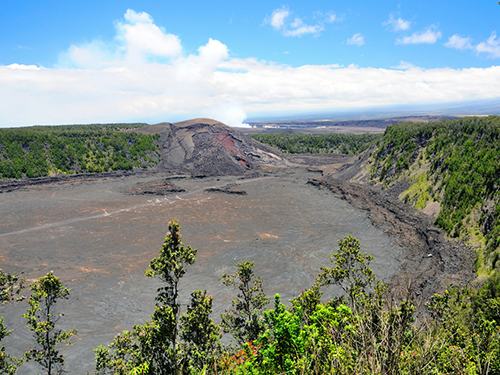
{"type": "Point", "coordinates": [231, 148]}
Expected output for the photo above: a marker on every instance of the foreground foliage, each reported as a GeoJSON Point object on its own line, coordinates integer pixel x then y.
{"type": "Point", "coordinates": [349, 144]}
{"type": "Point", "coordinates": [42, 150]}
{"type": "Point", "coordinates": [156, 347]}
{"type": "Point", "coordinates": [365, 329]}
{"type": "Point", "coordinates": [42, 318]}
{"type": "Point", "coordinates": [11, 286]}
{"type": "Point", "coordinates": [371, 331]}
{"type": "Point", "coordinates": [244, 320]}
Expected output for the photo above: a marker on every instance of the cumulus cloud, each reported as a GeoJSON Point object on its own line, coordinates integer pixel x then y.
{"type": "Point", "coordinates": [356, 40]}
{"type": "Point", "coordinates": [137, 17]}
{"type": "Point", "coordinates": [491, 46]}
{"type": "Point", "coordinates": [398, 24]}
{"type": "Point", "coordinates": [428, 36]}
{"type": "Point", "coordinates": [280, 21]}
{"type": "Point", "coordinates": [138, 40]}
{"type": "Point", "coordinates": [458, 42]}
{"type": "Point", "coordinates": [328, 17]}
{"type": "Point", "coordinates": [110, 85]}
{"type": "Point", "coordinates": [278, 18]}
{"type": "Point", "coordinates": [299, 28]}
{"type": "Point", "coordinates": [142, 38]}
{"type": "Point", "coordinates": [23, 67]}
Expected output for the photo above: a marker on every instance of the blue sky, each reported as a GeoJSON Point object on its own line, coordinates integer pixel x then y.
{"type": "Point", "coordinates": [108, 61]}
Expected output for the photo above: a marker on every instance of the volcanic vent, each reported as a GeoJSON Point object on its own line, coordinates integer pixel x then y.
{"type": "Point", "coordinates": [208, 147]}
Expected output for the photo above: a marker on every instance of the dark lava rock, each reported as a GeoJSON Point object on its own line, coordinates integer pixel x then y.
{"type": "Point", "coordinates": [431, 261]}
{"type": "Point", "coordinates": [209, 148]}
{"type": "Point", "coordinates": [157, 187]}
{"type": "Point", "coordinates": [227, 189]}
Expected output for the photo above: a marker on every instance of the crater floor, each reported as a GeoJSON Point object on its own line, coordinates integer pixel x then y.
{"type": "Point", "coordinates": [99, 240]}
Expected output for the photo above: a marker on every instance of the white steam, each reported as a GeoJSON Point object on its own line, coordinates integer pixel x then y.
{"type": "Point", "coordinates": [229, 112]}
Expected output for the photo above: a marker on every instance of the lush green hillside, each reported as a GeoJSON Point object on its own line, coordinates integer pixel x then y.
{"type": "Point", "coordinates": [43, 150]}
{"type": "Point", "coordinates": [351, 144]}
{"type": "Point", "coordinates": [453, 163]}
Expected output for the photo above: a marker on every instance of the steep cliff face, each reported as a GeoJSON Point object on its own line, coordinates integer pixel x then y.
{"type": "Point", "coordinates": [208, 147]}
{"type": "Point", "coordinates": [450, 171]}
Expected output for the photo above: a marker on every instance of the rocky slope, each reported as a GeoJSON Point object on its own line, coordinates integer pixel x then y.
{"type": "Point", "coordinates": [449, 170]}
{"type": "Point", "coordinates": [208, 147]}
{"type": "Point", "coordinates": [429, 261]}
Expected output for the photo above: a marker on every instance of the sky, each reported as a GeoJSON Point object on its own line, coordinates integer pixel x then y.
{"type": "Point", "coordinates": [75, 62]}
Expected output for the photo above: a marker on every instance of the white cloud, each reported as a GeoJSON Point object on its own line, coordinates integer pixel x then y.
{"type": "Point", "coordinates": [88, 55]}
{"type": "Point", "coordinates": [298, 28]}
{"type": "Point", "coordinates": [404, 65]}
{"type": "Point", "coordinates": [332, 17]}
{"type": "Point", "coordinates": [428, 36]}
{"type": "Point", "coordinates": [138, 40]}
{"type": "Point", "coordinates": [23, 67]}
{"type": "Point", "coordinates": [108, 87]}
{"type": "Point", "coordinates": [143, 38]}
{"type": "Point", "coordinates": [328, 17]}
{"type": "Point", "coordinates": [356, 40]}
{"type": "Point", "coordinates": [491, 46]}
{"type": "Point", "coordinates": [133, 17]}
{"type": "Point", "coordinates": [397, 24]}
{"type": "Point", "coordinates": [279, 20]}
{"type": "Point", "coordinates": [457, 42]}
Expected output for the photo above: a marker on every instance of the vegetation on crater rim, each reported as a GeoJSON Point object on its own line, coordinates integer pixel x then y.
{"type": "Point", "coordinates": [348, 144]}
{"type": "Point", "coordinates": [456, 164]}
{"type": "Point", "coordinates": [43, 150]}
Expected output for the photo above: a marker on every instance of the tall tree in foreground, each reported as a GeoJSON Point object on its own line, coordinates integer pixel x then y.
{"type": "Point", "coordinates": [42, 319]}
{"type": "Point", "coordinates": [244, 320]}
{"type": "Point", "coordinates": [169, 344]}
{"type": "Point", "coordinates": [10, 289]}
{"type": "Point", "coordinates": [170, 266]}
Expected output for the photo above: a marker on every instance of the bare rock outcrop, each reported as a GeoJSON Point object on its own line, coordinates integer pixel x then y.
{"type": "Point", "coordinates": [208, 147]}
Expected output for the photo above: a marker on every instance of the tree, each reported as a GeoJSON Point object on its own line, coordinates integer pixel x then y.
{"type": "Point", "coordinates": [42, 319]}
{"type": "Point", "coordinates": [350, 272]}
{"type": "Point", "coordinates": [154, 347]}
{"type": "Point", "coordinates": [244, 320]}
{"type": "Point", "coordinates": [10, 288]}
{"type": "Point", "coordinates": [170, 267]}
{"type": "Point", "coordinates": [200, 335]}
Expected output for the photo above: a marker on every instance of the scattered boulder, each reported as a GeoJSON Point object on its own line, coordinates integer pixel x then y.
{"type": "Point", "coordinates": [227, 189]}
{"type": "Point", "coordinates": [156, 187]}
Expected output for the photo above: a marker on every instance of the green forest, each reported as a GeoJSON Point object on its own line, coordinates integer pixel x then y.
{"type": "Point", "coordinates": [47, 150]}
{"type": "Point", "coordinates": [369, 329]}
{"type": "Point", "coordinates": [455, 163]}
{"type": "Point", "coordinates": [349, 144]}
